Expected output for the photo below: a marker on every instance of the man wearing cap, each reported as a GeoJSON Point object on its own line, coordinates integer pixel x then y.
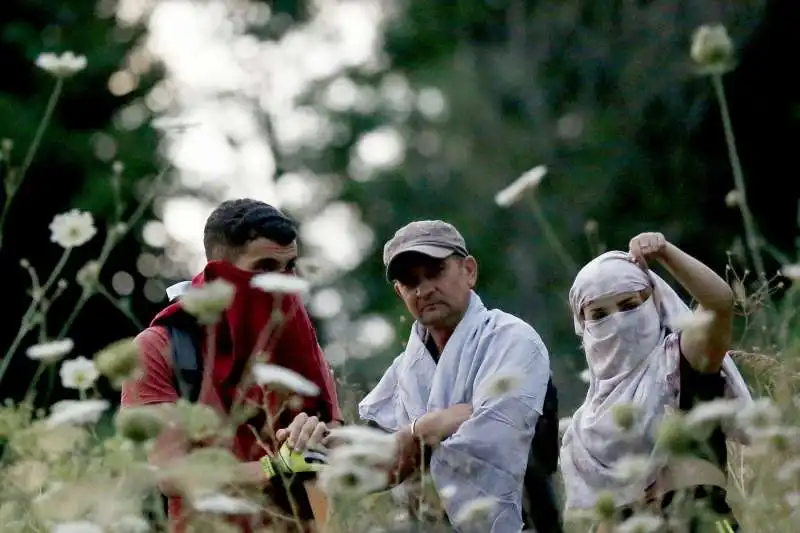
{"type": "Point", "coordinates": [470, 385]}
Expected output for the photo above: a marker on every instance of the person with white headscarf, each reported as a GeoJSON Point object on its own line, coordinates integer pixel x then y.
{"type": "Point", "coordinates": [626, 316]}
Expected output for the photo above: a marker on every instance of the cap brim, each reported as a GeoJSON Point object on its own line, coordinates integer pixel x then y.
{"type": "Point", "coordinates": [437, 252]}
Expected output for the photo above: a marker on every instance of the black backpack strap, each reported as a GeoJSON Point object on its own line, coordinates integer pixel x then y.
{"type": "Point", "coordinates": [540, 504]}
{"type": "Point", "coordinates": [186, 361]}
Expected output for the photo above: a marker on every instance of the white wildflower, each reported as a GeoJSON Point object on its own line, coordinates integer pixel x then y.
{"type": "Point", "coordinates": [314, 270]}
{"type": "Point", "coordinates": [448, 492]}
{"type": "Point", "coordinates": [477, 510]}
{"type": "Point", "coordinates": [88, 275]}
{"type": "Point", "coordinates": [759, 415]}
{"type": "Point", "coordinates": [768, 439]}
{"type": "Point", "coordinates": [712, 48]}
{"type": "Point", "coordinates": [72, 229]}
{"type": "Point", "coordinates": [130, 524]}
{"type": "Point", "coordinates": [81, 526]}
{"type": "Point", "coordinates": [790, 470]}
{"type": "Point", "coordinates": [632, 468]}
{"type": "Point", "coordinates": [585, 375]}
{"type": "Point", "coordinates": [351, 479]}
{"type": "Point", "coordinates": [732, 198]}
{"type": "Point", "coordinates": [712, 412]}
{"type": "Point", "coordinates": [61, 66]}
{"type": "Point", "coordinates": [641, 523]}
{"type": "Point", "coordinates": [512, 193]}
{"type": "Point", "coordinates": [792, 499]}
{"type": "Point", "coordinates": [362, 435]}
{"type": "Point", "coordinates": [791, 271]}
{"type": "Point", "coordinates": [76, 412]}
{"type": "Point", "coordinates": [224, 504]}
{"type": "Point", "coordinates": [280, 283]}
{"type": "Point", "coordinates": [692, 320]}
{"type": "Point", "coordinates": [207, 302]}
{"type": "Point", "coordinates": [278, 377]}
{"type": "Point", "coordinates": [362, 454]}
{"type": "Point", "coordinates": [48, 352]}
{"type": "Point", "coordinates": [79, 373]}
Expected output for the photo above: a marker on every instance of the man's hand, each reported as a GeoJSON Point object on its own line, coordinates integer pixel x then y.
{"type": "Point", "coordinates": [304, 432]}
{"type": "Point", "coordinates": [408, 454]}
{"type": "Point", "coordinates": [647, 246]}
{"type": "Point", "coordinates": [436, 426]}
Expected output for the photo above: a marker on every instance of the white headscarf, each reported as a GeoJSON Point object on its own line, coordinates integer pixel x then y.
{"type": "Point", "coordinates": [630, 361]}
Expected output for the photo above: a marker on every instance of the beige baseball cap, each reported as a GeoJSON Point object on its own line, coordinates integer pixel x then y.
{"type": "Point", "coordinates": [434, 238]}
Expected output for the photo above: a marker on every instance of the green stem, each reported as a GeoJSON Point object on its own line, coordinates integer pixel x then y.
{"type": "Point", "coordinates": [552, 238]}
{"type": "Point", "coordinates": [12, 188]}
{"type": "Point", "coordinates": [751, 234]}
{"type": "Point", "coordinates": [113, 237]}
{"type": "Point", "coordinates": [101, 290]}
{"type": "Point", "coordinates": [28, 318]}
{"type": "Point", "coordinates": [85, 295]}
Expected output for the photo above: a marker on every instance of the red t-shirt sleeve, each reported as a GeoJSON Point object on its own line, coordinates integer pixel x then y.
{"type": "Point", "coordinates": [297, 348]}
{"type": "Point", "coordinates": [155, 383]}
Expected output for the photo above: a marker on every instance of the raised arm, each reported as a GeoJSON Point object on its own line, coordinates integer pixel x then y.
{"type": "Point", "coordinates": [705, 345]}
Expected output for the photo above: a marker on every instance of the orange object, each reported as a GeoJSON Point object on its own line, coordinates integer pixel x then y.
{"type": "Point", "coordinates": [319, 506]}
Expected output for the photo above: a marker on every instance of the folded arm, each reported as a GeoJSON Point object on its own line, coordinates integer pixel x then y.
{"type": "Point", "coordinates": [487, 456]}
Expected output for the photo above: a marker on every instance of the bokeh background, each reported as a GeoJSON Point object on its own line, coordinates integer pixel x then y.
{"type": "Point", "coordinates": [357, 116]}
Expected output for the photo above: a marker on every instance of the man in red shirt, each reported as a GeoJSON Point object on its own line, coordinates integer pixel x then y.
{"type": "Point", "coordinates": [242, 238]}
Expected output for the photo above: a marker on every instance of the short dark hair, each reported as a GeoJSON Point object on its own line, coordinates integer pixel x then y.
{"type": "Point", "coordinates": [234, 223]}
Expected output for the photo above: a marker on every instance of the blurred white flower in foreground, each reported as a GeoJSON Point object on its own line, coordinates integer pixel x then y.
{"type": "Point", "coordinates": [759, 416]}
{"type": "Point", "coordinates": [712, 412]}
{"type": "Point", "coordinates": [363, 455]}
{"type": "Point", "coordinates": [278, 377]}
{"type": "Point", "coordinates": [641, 523]}
{"type": "Point", "coordinates": [512, 193]}
{"type": "Point", "coordinates": [72, 229]}
{"type": "Point", "coordinates": [130, 524]}
{"type": "Point", "coordinates": [88, 275]}
{"type": "Point", "coordinates": [712, 49]}
{"type": "Point", "coordinates": [76, 412]}
{"type": "Point", "coordinates": [48, 352]}
{"type": "Point", "coordinates": [477, 510]}
{"type": "Point", "coordinates": [79, 373]}
{"type": "Point", "coordinates": [692, 320]}
{"type": "Point", "coordinates": [791, 271]}
{"type": "Point", "coordinates": [61, 66]}
{"type": "Point", "coordinates": [224, 504]}
{"type": "Point", "coordinates": [631, 468]}
{"type": "Point", "coordinates": [352, 479]}
{"type": "Point", "coordinates": [363, 435]}
{"type": "Point", "coordinates": [207, 302]}
{"type": "Point", "coordinates": [280, 283]}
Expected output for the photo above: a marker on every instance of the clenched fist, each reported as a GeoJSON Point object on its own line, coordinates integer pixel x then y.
{"type": "Point", "coordinates": [647, 246]}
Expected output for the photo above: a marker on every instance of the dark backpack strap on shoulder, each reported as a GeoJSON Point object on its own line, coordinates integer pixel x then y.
{"type": "Point", "coordinates": [186, 360]}
{"type": "Point", "coordinates": [540, 505]}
